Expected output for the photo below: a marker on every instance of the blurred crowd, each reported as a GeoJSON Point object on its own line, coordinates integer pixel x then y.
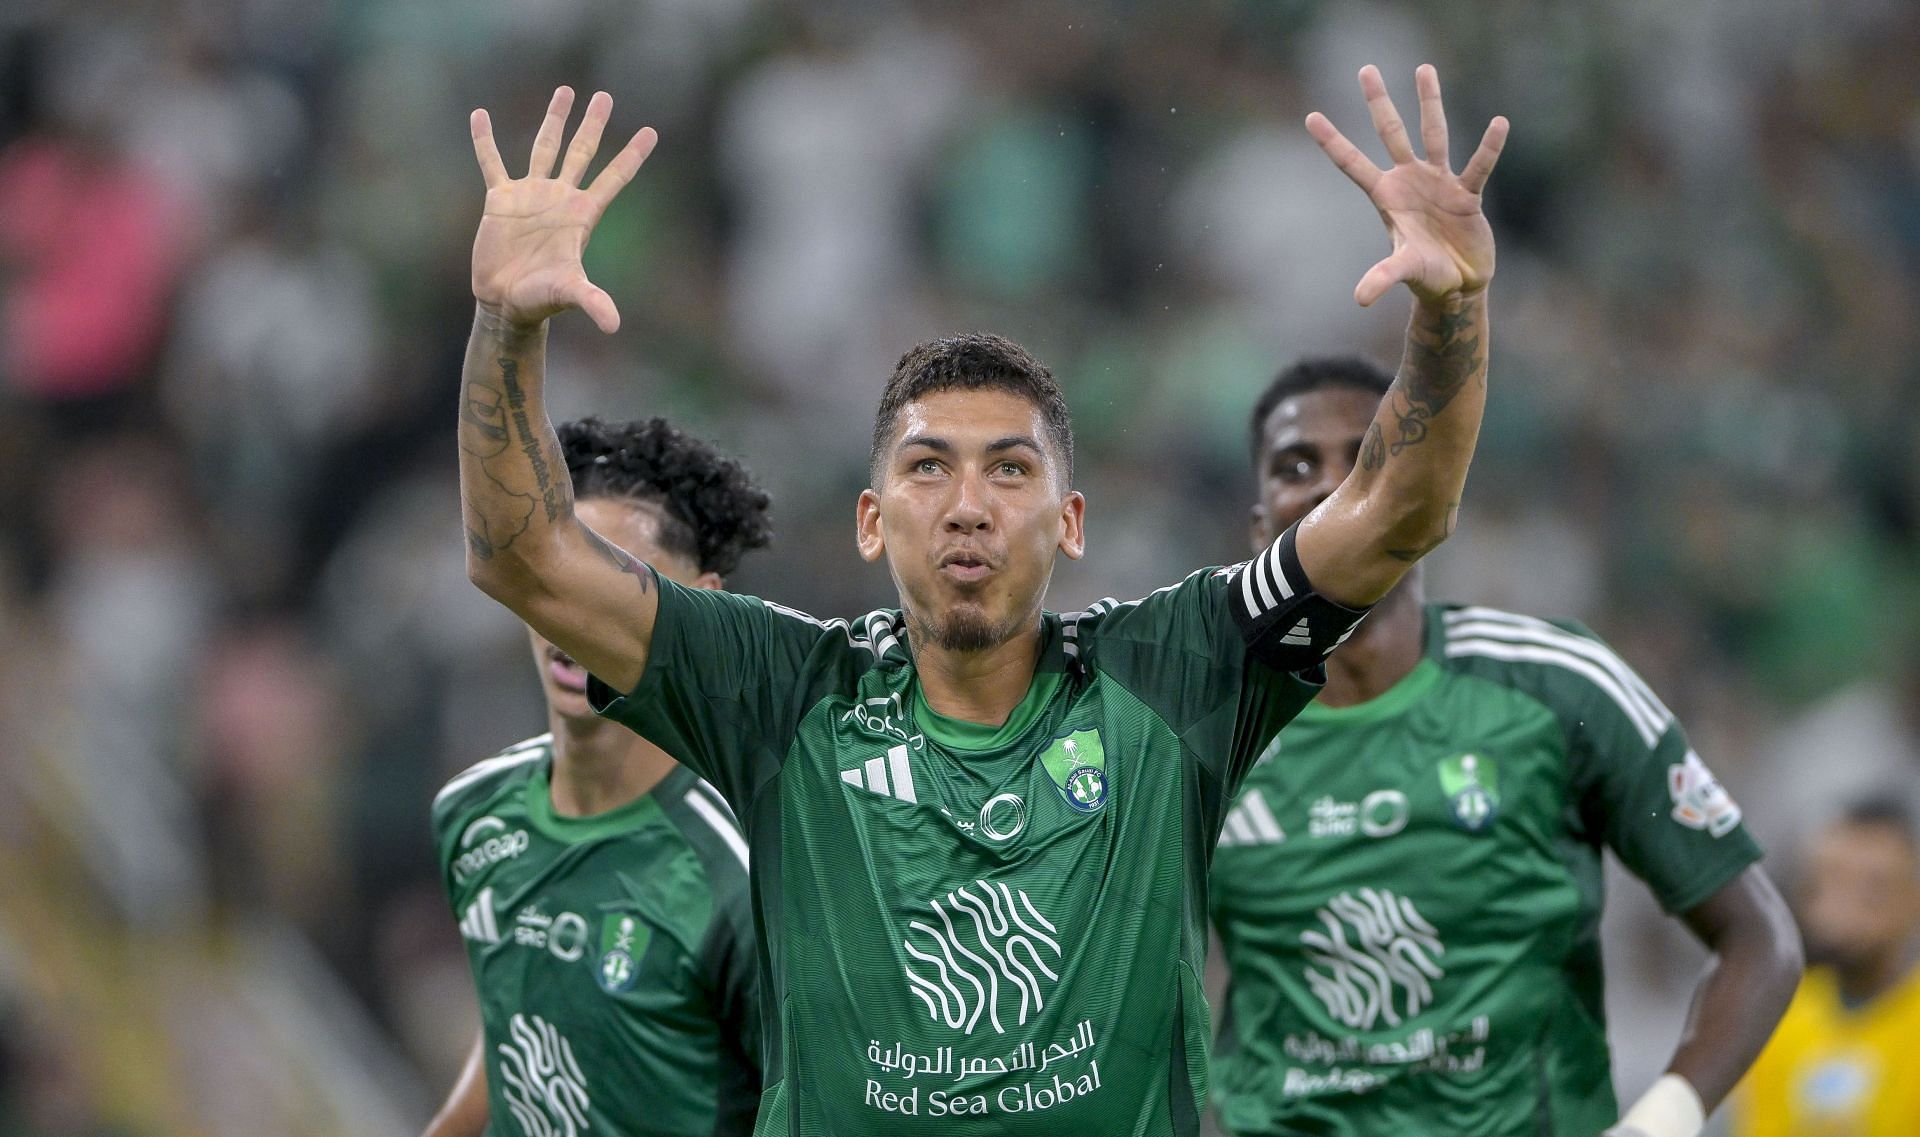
{"type": "Point", "coordinates": [242, 653]}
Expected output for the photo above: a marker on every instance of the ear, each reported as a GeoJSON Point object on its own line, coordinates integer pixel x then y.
{"type": "Point", "coordinates": [1258, 528]}
{"type": "Point", "coordinates": [708, 580]}
{"type": "Point", "coordinates": [1073, 525]}
{"type": "Point", "coordinates": [869, 535]}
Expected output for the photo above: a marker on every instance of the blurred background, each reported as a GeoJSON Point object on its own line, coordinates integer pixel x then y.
{"type": "Point", "coordinates": [241, 653]}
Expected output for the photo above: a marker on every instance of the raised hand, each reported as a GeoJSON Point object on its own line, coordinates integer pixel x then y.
{"type": "Point", "coordinates": [1442, 245]}
{"type": "Point", "coordinates": [526, 256]}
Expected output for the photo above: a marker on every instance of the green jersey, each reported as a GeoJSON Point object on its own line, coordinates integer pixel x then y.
{"type": "Point", "coordinates": [971, 929]}
{"type": "Point", "coordinates": [1409, 889]}
{"type": "Point", "coordinates": [613, 954]}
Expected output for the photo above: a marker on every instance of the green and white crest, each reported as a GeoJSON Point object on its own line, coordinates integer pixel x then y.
{"type": "Point", "coordinates": [623, 941]}
{"type": "Point", "coordinates": [1078, 765]}
{"type": "Point", "coordinates": [1472, 785]}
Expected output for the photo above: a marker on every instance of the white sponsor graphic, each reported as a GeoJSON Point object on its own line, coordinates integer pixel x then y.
{"type": "Point", "coordinates": [1390, 952]}
{"type": "Point", "coordinates": [1251, 823]}
{"type": "Point", "coordinates": [483, 850]}
{"type": "Point", "coordinates": [1699, 801]}
{"type": "Point", "coordinates": [478, 923]}
{"type": "Point", "coordinates": [1381, 813]}
{"type": "Point", "coordinates": [1001, 819]}
{"type": "Point", "coordinates": [889, 775]}
{"type": "Point", "coordinates": [1460, 1051]}
{"type": "Point", "coordinates": [564, 935]}
{"type": "Point", "coordinates": [542, 1084]}
{"type": "Point", "coordinates": [987, 945]}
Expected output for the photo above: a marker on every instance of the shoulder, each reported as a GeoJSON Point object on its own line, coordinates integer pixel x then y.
{"type": "Point", "coordinates": [1560, 663]}
{"type": "Point", "coordinates": [481, 783]}
{"type": "Point", "coordinates": [708, 824]}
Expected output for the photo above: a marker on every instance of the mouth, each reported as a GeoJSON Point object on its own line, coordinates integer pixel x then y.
{"type": "Point", "coordinates": [965, 567]}
{"type": "Point", "coordinates": [565, 673]}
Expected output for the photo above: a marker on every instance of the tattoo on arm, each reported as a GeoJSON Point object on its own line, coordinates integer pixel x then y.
{"type": "Point", "coordinates": [1418, 551]}
{"type": "Point", "coordinates": [531, 443]}
{"type": "Point", "coordinates": [618, 557]}
{"type": "Point", "coordinates": [1441, 357]}
{"type": "Point", "coordinates": [1373, 448]}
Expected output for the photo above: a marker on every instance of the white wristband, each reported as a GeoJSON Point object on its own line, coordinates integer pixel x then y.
{"type": "Point", "coordinates": [1670, 1108]}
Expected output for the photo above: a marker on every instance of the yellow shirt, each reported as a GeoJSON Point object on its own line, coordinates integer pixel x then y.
{"type": "Point", "coordinates": [1834, 1072]}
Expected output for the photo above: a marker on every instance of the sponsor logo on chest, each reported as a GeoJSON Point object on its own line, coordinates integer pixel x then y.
{"type": "Point", "coordinates": [486, 843]}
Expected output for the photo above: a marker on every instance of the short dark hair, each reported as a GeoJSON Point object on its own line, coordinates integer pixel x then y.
{"type": "Point", "coordinates": [973, 361]}
{"type": "Point", "coordinates": [1314, 373]}
{"type": "Point", "coordinates": [711, 513]}
{"type": "Point", "coordinates": [1884, 811]}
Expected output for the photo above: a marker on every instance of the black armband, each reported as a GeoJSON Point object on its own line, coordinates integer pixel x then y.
{"type": "Point", "coordinates": [1287, 625]}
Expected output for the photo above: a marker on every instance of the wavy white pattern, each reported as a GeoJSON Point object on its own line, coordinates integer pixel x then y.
{"type": "Point", "coordinates": [990, 944]}
{"type": "Point", "coordinates": [543, 1085]}
{"type": "Point", "coordinates": [1391, 950]}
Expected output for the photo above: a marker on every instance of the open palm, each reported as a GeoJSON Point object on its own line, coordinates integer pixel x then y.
{"type": "Point", "coordinates": [526, 255]}
{"type": "Point", "coordinates": [1442, 244]}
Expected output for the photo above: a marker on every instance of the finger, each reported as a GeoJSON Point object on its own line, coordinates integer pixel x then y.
{"type": "Point", "coordinates": [1433, 116]}
{"type": "Point", "coordinates": [1397, 267]}
{"type": "Point", "coordinates": [586, 140]}
{"type": "Point", "coordinates": [1386, 119]}
{"type": "Point", "coordinates": [599, 307]}
{"type": "Point", "coordinates": [1345, 154]}
{"type": "Point", "coordinates": [546, 144]}
{"type": "Point", "coordinates": [625, 164]}
{"type": "Point", "coordinates": [1480, 166]}
{"type": "Point", "coordinates": [492, 169]}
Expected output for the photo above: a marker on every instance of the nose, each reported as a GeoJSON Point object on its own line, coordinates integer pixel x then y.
{"type": "Point", "coordinates": [969, 510]}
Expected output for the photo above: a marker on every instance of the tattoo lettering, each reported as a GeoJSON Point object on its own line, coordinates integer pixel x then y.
{"type": "Point", "coordinates": [530, 443]}
{"type": "Point", "coordinates": [1441, 357]}
{"type": "Point", "coordinates": [618, 557]}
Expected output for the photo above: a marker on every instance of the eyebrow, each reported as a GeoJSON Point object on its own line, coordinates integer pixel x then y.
{"type": "Point", "coordinates": [941, 446]}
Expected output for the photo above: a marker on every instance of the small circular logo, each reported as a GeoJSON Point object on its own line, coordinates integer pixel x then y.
{"type": "Point", "coordinates": [1086, 788]}
{"type": "Point", "coordinates": [1003, 817]}
{"type": "Point", "coordinates": [616, 971]}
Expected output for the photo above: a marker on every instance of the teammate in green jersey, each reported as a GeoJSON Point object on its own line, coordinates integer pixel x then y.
{"type": "Point", "coordinates": [601, 887]}
{"type": "Point", "coordinates": [980, 830]}
{"type": "Point", "coordinates": [1408, 887]}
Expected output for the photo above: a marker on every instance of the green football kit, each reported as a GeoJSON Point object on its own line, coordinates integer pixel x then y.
{"type": "Point", "coordinates": [971, 929]}
{"type": "Point", "coordinates": [1409, 889]}
{"type": "Point", "coordinates": [614, 954]}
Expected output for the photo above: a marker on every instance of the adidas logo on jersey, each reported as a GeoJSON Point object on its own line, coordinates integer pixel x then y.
{"type": "Point", "coordinates": [1251, 823]}
{"type": "Point", "coordinates": [889, 775]}
{"type": "Point", "coordinates": [478, 923]}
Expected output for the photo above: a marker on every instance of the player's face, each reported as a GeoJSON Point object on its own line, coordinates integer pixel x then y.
{"type": "Point", "coordinates": [635, 528]}
{"type": "Point", "coordinates": [1309, 444]}
{"type": "Point", "coordinates": [970, 510]}
{"type": "Point", "coordinates": [1863, 894]}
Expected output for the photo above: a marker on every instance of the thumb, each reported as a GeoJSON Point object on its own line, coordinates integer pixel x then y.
{"type": "Point", "coordinates": [1396, 267]}
{"type": "Point", "coordinates": [599, 307]}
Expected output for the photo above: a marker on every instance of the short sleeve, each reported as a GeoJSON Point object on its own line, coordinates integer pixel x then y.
{"type": "Point", "coordinates": [1641, 787]}
{"type": "Point", "coordinates": [727, 681]}
{"type": "Point", "coordinates": [1182, 653]}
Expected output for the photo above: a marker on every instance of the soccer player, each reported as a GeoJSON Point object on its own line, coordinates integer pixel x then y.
{"type": "Point", "coordinates": [1408, 887]}
{"type": "Point", "coordinates": [1846, 1059]}
{"type": "Point", "coordinates": [980, 830]}
{"type": "Point", "coordinates": [601, 886]}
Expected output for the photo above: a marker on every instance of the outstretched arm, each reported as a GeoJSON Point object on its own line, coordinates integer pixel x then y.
{"type": "Point", "coordinates": [1400, 501]}
{"type": "Point", "coordinates": [1755, 968]}
{"type": "Point", "coordinates": [465, 1112]}
{"type": "Point", "coordinates": [525, 546]}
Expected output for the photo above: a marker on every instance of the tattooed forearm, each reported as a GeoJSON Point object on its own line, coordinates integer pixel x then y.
{"type": "Point", "coordinates": [1443, 354]}
{"type": "Point", "coordinates": [1415, 552]}
{"type": "Point", "coordinates": [530, 442]}
{"type": "Point", "coordinates": [618, 557]}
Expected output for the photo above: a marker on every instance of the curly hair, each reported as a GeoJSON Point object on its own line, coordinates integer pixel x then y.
{"type": "Point", "coordinates": [711, 511]}
{"type": "Point", "coordinates": [972, 361]}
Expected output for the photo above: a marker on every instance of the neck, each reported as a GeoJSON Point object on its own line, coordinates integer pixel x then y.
{"type": "Point", "coordinates": [1383, 651]}
{"type": "Point", "coordinates": [978, 686]}
{"type": "Point", "coordinates": [600, 765]}
{"type": "Point", "coordinates": [1872, 978]}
